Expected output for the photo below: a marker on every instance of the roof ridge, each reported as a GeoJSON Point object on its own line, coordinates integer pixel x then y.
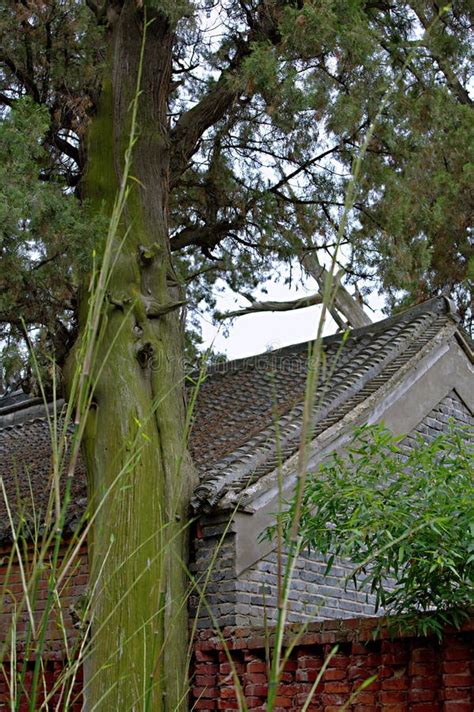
{"type": "Point", "coordinates": [251, 456]}
{"type": "Point", "coordinates": [21, 423]}
{"type": "Point", "coordinates": [373, 328]}
{"type": "Point", "coordinates": [17, 406]}
{"type": "Point", "coordinates": [36, 411]}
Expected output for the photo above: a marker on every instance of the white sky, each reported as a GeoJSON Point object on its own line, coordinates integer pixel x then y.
{"type": "Point", "coordinates": [256, 333]}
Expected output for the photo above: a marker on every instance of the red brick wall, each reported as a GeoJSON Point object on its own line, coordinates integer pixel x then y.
{"type": "Point", "coordinates": [61, 636]}
{"type": "Point", "coordinates": [61, 619]}
{"type": "Point", "coordinates": [419, 674]}
{"type": "Point", "coordinates": [52, 679]}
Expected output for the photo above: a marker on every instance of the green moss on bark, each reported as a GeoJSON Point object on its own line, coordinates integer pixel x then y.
{"type": "Point", "coordinates": [133, 443]}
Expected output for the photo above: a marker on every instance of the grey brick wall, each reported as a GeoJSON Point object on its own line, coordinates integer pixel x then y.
{"type": "Point", "coordinates": [313, 596]}
{"type": "Point", "coordinates": [213, 599]}
{"type": "Point", "coordinates": [449, 409]}
{"type": "Point", "coordinates": [251, 598]}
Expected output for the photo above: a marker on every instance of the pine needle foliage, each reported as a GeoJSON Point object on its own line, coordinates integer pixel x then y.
{"type": "Point", "coordinates": [264, 104]}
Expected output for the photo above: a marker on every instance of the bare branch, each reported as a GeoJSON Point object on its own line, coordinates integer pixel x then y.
{"type": "Point", "coordinates": [258, 307]}
{"type": "Point", "coordinates": [190, 127]}
{"type": "Point", "coordinates": [23, 78]}
{"type": "Point", "coordinates": [4, 99]}
{"type": "Point", "coordinates": [213, 106]}
{"type": "Point", "coordinates": [65, 147]}
{"type": "Point", "coordinates": [211, 268]}
{"type": "Point", "coordinates": [47, 260]}
{"type": "Point", "coordinates": [204, 236]}
{"type": "Point", "coordinates": [283, 181]}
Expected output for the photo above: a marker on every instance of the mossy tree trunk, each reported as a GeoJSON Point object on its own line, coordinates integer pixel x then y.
{"type": "Point", "coordinates": [133, 442]}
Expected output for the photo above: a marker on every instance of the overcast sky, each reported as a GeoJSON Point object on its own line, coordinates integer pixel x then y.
{"type": "Point", "coordinates": [255, 333]}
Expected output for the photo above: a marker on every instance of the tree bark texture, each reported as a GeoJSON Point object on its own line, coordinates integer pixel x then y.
{"type": "Point", "coordinates": [344, 303]}
{"type": "Point", "coordinates": [134, 441]}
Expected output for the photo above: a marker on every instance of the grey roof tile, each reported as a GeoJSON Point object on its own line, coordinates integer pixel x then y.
{"type": "Point", "coordinates": [233, 438]}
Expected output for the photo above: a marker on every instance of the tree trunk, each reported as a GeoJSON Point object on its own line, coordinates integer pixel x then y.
{"type": "Point", "coordinates": [344, 303]}
{"type": "Point", "coordinates": [133, 444]}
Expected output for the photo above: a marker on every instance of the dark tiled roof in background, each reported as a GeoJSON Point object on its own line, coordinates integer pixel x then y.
{"type": "Point", "coordinates": [352, 372]}
{"type": "Point", "coordinates": [233, 436]}
{"type": "Point", "coordinates": [25, 466]}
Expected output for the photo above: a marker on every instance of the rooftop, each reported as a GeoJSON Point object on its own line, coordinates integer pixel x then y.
{"type": "Point", "coordinates": [239, 408]}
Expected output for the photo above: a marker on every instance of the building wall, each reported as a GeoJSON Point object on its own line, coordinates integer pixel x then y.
{"type": "Point", "coordinates": [213, 565]}
{"type": "Point", "coordinates": [62, 636]}
{"type": "Point", "coordinates": [449, 409]}
{"type": "Point", "coordinates": [312, 596]}
{"type": "Point", "coordinates": [251, 598]}
{"type": "Point", "coordinates": [412, 674]}
{"type": "Point", "coordinates": [52, 690]}
{"type": "Point", "coordinates": [229, 599]}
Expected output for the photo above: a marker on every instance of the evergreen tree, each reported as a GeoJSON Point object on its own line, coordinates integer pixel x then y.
{"type": "Point", "coordinates": [248, 118]}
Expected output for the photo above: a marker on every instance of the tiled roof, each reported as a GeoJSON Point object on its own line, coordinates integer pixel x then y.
{"type": "Point", "coordinates": [25, 468]}
{"type": "Point", "coordinates": [240, 406]}
{"type": "Point", "coordinates": [352, 371]}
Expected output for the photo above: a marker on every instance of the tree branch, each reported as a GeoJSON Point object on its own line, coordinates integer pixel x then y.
{"type": "Point", "coordinates": [192, 124]}
{"type": "Point", "coordinates": [4, 99]}
{"type": "Point", "coordinates": [211, 268]}
{"type": "Point", "coordinates": [258, 307]}
{"type": "Point", "coordinates": [283, 181]}
{"type": "Point", "coordinates": [343, 301]}
{"type": "Point", "coordinates": [206, 236]}
{"type": "Point", "coordinates": [22, 77]}
{"type": "Point", "coordinates": [65, 147]}
{"type": "Point", "coordinates": [47, 260]}
{"type": "Point", "coordinates": [213, 106]}
{"type": "Point", "coordinates": [460, 92]}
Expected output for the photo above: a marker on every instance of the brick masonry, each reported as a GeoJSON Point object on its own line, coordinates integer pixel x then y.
{"type": "Point", "coordinates": [250, 598]}
{"type": "Point", "coordinates": [61, 638]}
{"type": "Point", "coordinates": [52, 678]}
{"type": "Point", "coordinates": [412, 674]}
{"type": "Point", "coordinates": [62, 616]}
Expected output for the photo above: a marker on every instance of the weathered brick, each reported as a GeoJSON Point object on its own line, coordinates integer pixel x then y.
{"type": "Point", "coordinates": [335, 674]}
{"type": "Point", "coordinates": [424, 655]}
{"type": "Point", "coordinates": [338, 687]}
{"type": "Point", "coordinates": [205, 680]}
{"type": "Point", "coordinates": [306, 675]}
{"type": "Point", "coordinates": [256, 690]}
{"type": "Point", "coordinates": [422, 669]}
{"type": "Point", "coordinates": [456, 693]}
{"type": "Point", "coordinates": [456, 706]}
{"type": "Point", "coordinates": [284, 702]}
{"type": "Point", "coordinates": [256, 666]}
{"type": "Point", "coordinates": [456, 666]}
{"type": "Point", "coordinates": [204, 692]}
{"type": "Point", "coordinates": [457, 652]}
{"type": "Point", "coordinates": [392, 696]}
{"type": "Point", "coordinates": [395, 683]}
{"type": "Point", "coordinates": [256, 678]}
{"type": "Point", "coordinates": [227, 704]}
{"type": "Point", "coordinates": [425, 695]}
{"type": "Point", "coordinates": [205, 704]}
{"type": "Point", "coordinates": [228, 693]}
{"type": "Point", "coordinates": [457, 680]}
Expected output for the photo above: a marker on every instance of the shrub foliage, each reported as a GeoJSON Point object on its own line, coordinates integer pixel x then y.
{"type": "Point", "coordinates": [403, 516]}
